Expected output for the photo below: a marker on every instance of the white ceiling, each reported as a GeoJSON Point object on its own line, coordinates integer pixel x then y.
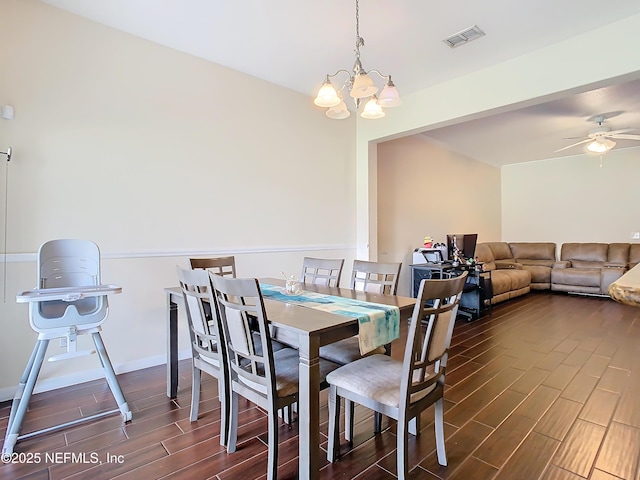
{"type": "Point", "coordinates": [295, 43]}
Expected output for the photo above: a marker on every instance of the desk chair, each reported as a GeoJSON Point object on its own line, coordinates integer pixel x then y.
{"type": "Point", "coordinates": [403, 389]}
{"type": "Point", "coordinates": [69, 302]}
{"type": "Point", "coordinates": [321, 271]}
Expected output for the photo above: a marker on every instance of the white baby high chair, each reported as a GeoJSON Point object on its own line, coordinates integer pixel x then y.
{"type": "Point", "coordinates": [69, 301]}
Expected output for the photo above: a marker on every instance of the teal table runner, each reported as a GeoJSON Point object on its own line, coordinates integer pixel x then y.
{"type": "Point", "coordinates": [378, 324]}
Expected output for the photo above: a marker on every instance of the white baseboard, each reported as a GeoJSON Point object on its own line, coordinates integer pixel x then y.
{"type": "Point", "coordinates": [89, 375]}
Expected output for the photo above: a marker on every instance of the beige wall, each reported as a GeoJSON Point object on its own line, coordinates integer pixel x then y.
{"type": "Point", "coordinates": [545, 73]}
{"type": "Point", "coordinates": [155, 155]}
{"type": "Point", "coordinates": [424, 190]}
{"type": "Point", "coordinates": [573, 199]}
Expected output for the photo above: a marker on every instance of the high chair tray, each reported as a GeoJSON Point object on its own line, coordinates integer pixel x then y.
{"type": "Point", "coordinates": [67, 294]}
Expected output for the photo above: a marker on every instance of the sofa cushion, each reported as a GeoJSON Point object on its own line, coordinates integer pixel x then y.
{"type": "Point", "coordinates": [539, 251]}
{"type": "Point", "coordinates": [484, 255]}
{"type": "Point", "coordinates": [539, 273]}
{"type": "Point", "coordinates": [618, 253]}
{"type": "Point", "coordinates": [500, 282]}
{"type": "Point", "coordinates": [584, 253]}
{"type": "Point", "coordinates": [500, 250]}
{"type": "Point", "coordinates": [576, 276]}
{"type": "Point", "coordinates": [520, 279]}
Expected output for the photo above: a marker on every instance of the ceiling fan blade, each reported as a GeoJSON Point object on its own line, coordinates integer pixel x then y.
{"type": "Point", "coordinates": [623, 136]}
{"type": "Point", "coordinates": [574, 145]}
{"type": "Point", "coordinates": [616, 132]}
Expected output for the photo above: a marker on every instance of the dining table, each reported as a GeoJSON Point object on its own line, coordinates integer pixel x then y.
{"type": "Point", "coordinates": [306, 329]}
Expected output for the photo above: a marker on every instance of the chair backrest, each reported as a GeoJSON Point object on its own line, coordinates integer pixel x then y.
{"type": "Point", "coordinates": [375, 277]}
{"type": "Point", "coordinates": [225, 266]}
{"type": "Point", "coordinates": [322, 271]}
{"type": "Point", "coordinates": [198, 300]}
{"type": "Point", "coordinates": [429, 337]}
{"type": "Point", "coordinates": [251, 366]}
{"type": "Point", "coordinates": [68, 263]}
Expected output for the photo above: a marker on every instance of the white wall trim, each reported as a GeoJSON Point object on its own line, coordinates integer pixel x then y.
{"type": "Point", "coordinates": [32, 257]}
{"type": "Point", "coordinates": [94, 374]}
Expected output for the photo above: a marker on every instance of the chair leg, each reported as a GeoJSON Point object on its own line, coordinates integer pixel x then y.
{"type": "Point", "coordinates": [225, 413]}
{"type": "Point", "coordinates": [349, 419]}
{"type": "Point", "coordinates": [110, 375]}
{"type": "Point", "coordinates": [439, 427]}
{"type": "Point", "coordinates": [333, 447]}
{"type": "Point", "coordinates": [23, 395]}
{"type": "Point", "coordinates": [403, 451]}
{"type": "Point", "coordinates": [377, 423]}
{"type": "Point", "coordinates": [233, 423]}
{"type": "Point", "coordinates": [196, 376]}
{"type": "Point", "coordinates": [272, 463]}
{"type": "Point", "coordinates": [414, 425]}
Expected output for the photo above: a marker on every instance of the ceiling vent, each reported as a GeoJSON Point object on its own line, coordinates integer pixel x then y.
{"type": "Point", "coordinates": [465, 36]}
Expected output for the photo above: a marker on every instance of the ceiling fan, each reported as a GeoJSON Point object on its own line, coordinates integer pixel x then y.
{"type": "Point", "coordinates": [601, 138]}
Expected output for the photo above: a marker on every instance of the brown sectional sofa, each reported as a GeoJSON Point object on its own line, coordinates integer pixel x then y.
{"type": "Point", "coordinates": [508, 279]}
{"type": "Point", "coordinates": [537, 258]}
{"type": "Point", "coordinates": [589, 268]}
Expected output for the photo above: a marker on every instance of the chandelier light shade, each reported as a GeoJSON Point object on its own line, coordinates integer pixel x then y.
{"type": "Point", "coordinates": [360, 86]}
{"type": "Point", "coordinates": [327, 95]}
{"type": "Point", "coordinates": [339, 111]}
{"type": "Point", "coordinates": [372, 109]}
{"type": "Point", "coordinates": [601, 145]}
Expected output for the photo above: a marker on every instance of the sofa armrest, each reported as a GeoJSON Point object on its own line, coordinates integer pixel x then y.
{"type": "Point", "coordinates": [562, 264]}
{"type": "Point", "coordinates": [508, 264]}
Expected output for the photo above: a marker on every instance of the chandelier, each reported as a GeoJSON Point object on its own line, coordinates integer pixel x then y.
{"type": "Point", "coordinates": [360, 87]}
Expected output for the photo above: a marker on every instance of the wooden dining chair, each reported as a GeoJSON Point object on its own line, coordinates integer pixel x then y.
{"type": "Point", "coordinates": [370, 277]}
{"type": "Point", "coordinates": [263, 376]}
{"type": "Point", "coordinates": [321, 271]}
{"type": "Point", "coordinates": [207, 349]}
{"type": "Point", "coordinates": [403, 389]}
{"type": "Point", "coordinates": [221, 265]}
{"type": "Point", "coordinates": [375, 277]}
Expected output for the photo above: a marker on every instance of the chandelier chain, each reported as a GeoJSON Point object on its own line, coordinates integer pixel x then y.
{"type": "Point", "coordinates": [359, 39]}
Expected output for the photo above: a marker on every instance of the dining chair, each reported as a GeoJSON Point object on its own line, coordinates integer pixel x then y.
{"type": "Point", "coordinates": [370, 277]}
{"type": "Point", "coordinates": [221, 265]}
{"type": "Point", "coordinates": [403, 389]}
{"type": "Point", "coordinates": [225, 266]}
{"type": "Point", "coordinates": [263, 376]}
{"type": "Point", "coordinates": [375, 277]}
{"type": "Point", "coordinates": [207, 351]}
{"type": "Point", "coordinates": [321, 271]}
{"type": "Point", "coordinates": [69, 302]}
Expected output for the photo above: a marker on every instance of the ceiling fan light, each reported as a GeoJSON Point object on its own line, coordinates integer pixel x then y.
{"type": "Point", "coordinates": [327, 95]}
{"type": "Point", "coordinates": [372, 110]}
{"type": "Point", "coordinates": [601, 145]}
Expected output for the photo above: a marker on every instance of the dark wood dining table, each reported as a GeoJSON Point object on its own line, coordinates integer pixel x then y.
{"type": "Point", "coordinates": [306, 329]}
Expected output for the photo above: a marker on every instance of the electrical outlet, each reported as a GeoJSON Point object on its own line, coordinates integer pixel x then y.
{"type": "Point", "coordinates": [635, 236]}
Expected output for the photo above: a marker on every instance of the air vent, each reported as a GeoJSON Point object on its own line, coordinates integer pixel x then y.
{"type": "Point", "coordinates": [465, 36]}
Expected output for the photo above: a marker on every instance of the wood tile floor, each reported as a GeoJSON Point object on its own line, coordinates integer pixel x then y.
{"type": "Point", "coordinates": [546, 387]}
